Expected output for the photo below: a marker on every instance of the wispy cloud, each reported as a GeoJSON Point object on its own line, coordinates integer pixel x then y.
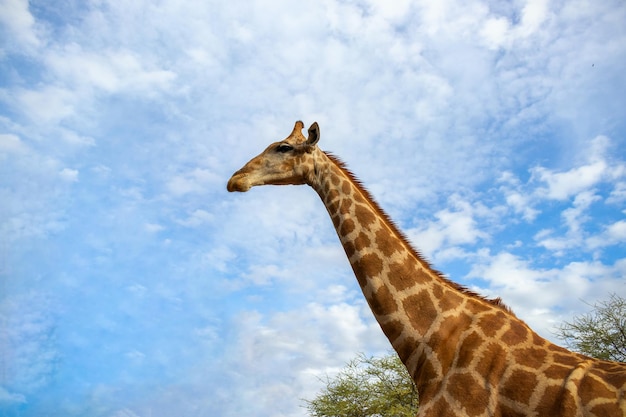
{"type": "Point", "coordinates": [18, 24]}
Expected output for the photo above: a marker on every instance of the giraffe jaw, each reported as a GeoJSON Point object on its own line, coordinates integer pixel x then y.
{"type": "Point", "coordinates": [243, 182]}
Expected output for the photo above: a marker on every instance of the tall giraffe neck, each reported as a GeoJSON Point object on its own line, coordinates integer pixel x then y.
{"type": "Point", "coordinates": [412, 302]}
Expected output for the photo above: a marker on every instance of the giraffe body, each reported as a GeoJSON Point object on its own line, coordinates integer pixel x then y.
{"type": "Point", "coordinates": [469, 356]}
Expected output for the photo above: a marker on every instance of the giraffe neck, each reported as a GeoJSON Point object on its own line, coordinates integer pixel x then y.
{"type": "Point", "coordinates": [467, 355]}
{"type": "Point", "coordinates": [409, 299]}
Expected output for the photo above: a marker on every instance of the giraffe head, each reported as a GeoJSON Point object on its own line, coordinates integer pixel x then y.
{"type": "Point", "coordinates": [286, 162]}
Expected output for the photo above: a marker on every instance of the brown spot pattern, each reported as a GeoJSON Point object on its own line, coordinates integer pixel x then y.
{"type": "Point", "coordinates": [450, 301]}
{"type": "Point", "coordinates": [347, 227]}
{"type": "Point", "coordinates": [386, 245]}
{"type": "Point", "coordinates": [556, 401]}
{"type": "Point", "coordinates": [404, 275]}
{"type": "Point", "coordinates": [492, 323]}
{"type": "Point", "coordinates": [364, 215]}
{"type": "Point", "coordinates": [516, 334]}
{"type": "Point", "coordinates": [607, 409]}
{"type": "Point", "coordinates": [556, 371]}
{"type": "Point", "coordinates": [532, 357]}
{"type": "Point", "coordinates": [369, 265]}
{"type": "Point", "coordinates": [520, 386]}
{"type": "Point", "coordinates": [331, 197]}
{"type": "Point", "coordinates": [345, 205]}
{"type": "Point", "coordinates": [406, 347]}
{"type": "Point", "coordinates": [468, 350]}
{"type": "Point", "coordinates": [446, 339]}
{"type": "Point", "coordinates": [393, 329]}
{"type": "Point", "coordinates": [421, 311]}
{"type": "Point", "coordinates": [438, 292]}
{"type": "Point", "coordinates": [512, 412]}
{"type": "Point", "coordinates": [382, 302]}
{"type": "Point", "coordinates": [362, 242]}
{"type": "Point", "coordinates": [425, 370]}
{"type": "Point", "coordinates": [492, 363]}
{"type": "Point", "coordinates": [349, 249]}
{"type": "Point", "coordinates": [470, 392]}
{"type": "Point", "coordinates": [590, 388]}
{"type": "Point", "coordinates": [346, 188]}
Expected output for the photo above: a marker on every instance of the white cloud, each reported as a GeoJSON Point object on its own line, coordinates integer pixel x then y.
{"type": "Point", "coordinates": [197, 180]}
{"type": "Point", "coordinates": [280, 358]}
{"type": "Point", "coordinates": [577, 214]}
{"type": "Point", "coordinates": [580, 184]}
{"type": "Point", "coordinates": [38, 184]}
{"type": "Point", "coordinates": [269, 362]}
{"type": "Point", "coordinates": [562, 185]}
{"type": "Point", "coordinates": [393, 11]}
{"type": "Point", "coordinates": [49, 104]}
{"type": "Point", "coordinates": [9, 398]}
{"type": "Point", "coordinates": [72, 138]}
{"type": "Point", "coordinates": [533, 292]}
{"type": "Point", "coordinates": [495, 31]}
{"type": "Point", "coordinates": [11, 144]}
{"type": "Point", "coordinates": [29, 352]}
{"type": "Point", "coordinates": [618, 194]}
{"type": "Point", "coordinates": [111, 71]}
{"type": "Point", "coordinates": [506, 31]}
{"type": "Point", "coordinates": [534, 14]}
{"type": "Point", "coordinates": [617, 231]}
{"type": "Point", "coordinates": [574, 219]}
{"type": "Point", "coordinates": [125, 413]}
{"type": "Point", "coordinates": [14, 14]}
{"type": "Point", "coordinates": [613, 234]}
{"type": "Point", "coordinates": [197, 218]}
{"type": "Point", "coordinates": [516, 197]}
{"type": "Point", "coordinates": [453, 227]}
{"type": "Point", "coordinates": [69, 175]}
{"type": "Point", "coordinates": [153, 227]}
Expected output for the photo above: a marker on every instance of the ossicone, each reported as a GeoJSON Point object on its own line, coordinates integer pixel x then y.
{"type": "Point", "coordinates": [298, 127]}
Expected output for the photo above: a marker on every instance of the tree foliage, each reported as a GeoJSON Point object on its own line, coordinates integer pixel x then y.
{"type": "Point", "coordinates": [367, 387]}
{"type": "Point", "coordinates": [600, 333]}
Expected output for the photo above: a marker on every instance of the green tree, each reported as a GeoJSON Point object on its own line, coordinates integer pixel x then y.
{"type": "Point", "coordinates": [600, 333]}
{"type": "Point", "coordinates": [367, 387]}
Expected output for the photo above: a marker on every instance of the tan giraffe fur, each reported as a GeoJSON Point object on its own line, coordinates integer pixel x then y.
{"type": "Point", "coordinates": [469, 356]}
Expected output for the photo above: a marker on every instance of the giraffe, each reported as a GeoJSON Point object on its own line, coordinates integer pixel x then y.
{"type": "Point", "coordinates": [468, 355]}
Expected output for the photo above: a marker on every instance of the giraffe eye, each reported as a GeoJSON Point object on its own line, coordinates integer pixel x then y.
{"type": "Point", "coordinates": [284, 147]}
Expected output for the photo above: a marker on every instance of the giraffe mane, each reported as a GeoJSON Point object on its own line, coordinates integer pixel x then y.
{"type": "Point", "coordinates": [497, 302]}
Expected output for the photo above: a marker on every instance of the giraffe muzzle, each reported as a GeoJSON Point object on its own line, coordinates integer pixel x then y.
{"type": "Point", "coordinates": [238, 182]}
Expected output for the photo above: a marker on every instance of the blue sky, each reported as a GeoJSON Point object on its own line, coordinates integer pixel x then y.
{"type": "Point", "coordinates": [132, 284]}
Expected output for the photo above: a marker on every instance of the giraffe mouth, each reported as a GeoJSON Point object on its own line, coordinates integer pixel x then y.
{"type": "Point", "coordinates": [238, 182]}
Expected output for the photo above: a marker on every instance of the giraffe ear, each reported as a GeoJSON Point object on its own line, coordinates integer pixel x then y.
{"type": "Point", "coordinates": [314, 134]}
